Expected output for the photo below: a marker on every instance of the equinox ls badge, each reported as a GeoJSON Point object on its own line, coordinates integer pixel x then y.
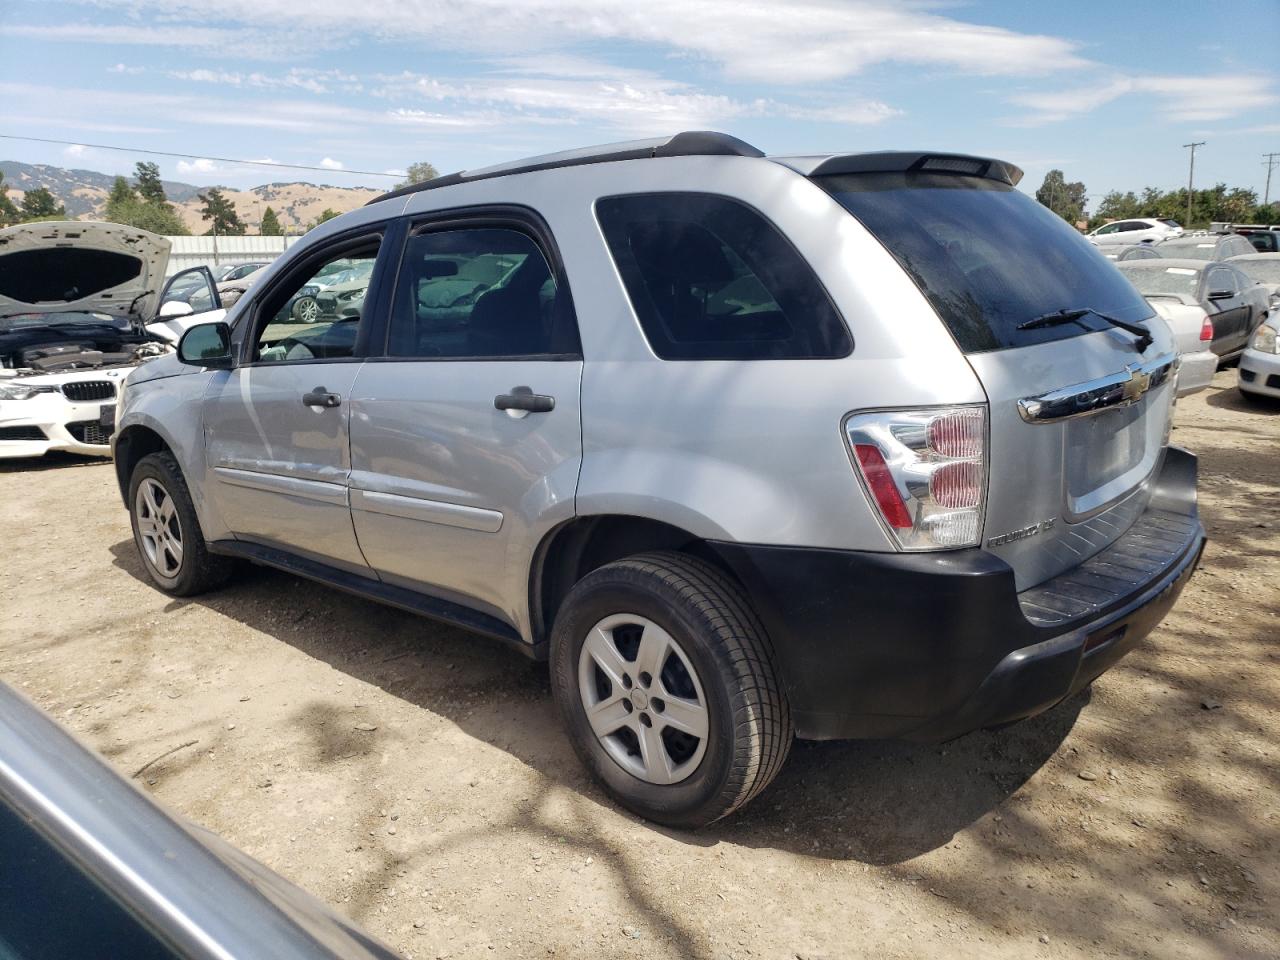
{"type": "Point", "coordinates": [1022, 533]}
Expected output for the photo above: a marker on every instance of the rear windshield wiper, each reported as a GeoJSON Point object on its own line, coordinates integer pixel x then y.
{"type": "Point", "coordinates": [1075, 316]}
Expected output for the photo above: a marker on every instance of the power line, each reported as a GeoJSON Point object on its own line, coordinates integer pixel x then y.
{"type": "Point", "coordinates": [193, 156]}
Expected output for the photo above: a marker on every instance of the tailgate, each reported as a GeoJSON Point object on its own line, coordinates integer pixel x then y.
{"type": "Point", "coordinates": [1078, 429]}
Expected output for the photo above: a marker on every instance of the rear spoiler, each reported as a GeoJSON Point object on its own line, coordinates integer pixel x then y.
{"type": "Point", "coordinates": [891, 161]}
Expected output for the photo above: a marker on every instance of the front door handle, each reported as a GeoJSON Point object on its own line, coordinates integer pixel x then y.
{"type": "Point", "coordinates": [320, 397]}
{"type": "Point", "coordinates": [523, 398]}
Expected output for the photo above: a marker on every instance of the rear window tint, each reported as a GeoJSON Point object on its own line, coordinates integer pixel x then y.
{"type": "Point", "coordinates": [987, 257]}
{"type": "Point", "coordinates": [710, 279]}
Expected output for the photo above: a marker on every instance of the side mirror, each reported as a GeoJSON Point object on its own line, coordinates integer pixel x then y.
{"type": "Point", "coordinates": [207, 345]}
{"type": "Point", "coordinates": [175, 308]}
{"type": "Point", "coordinates": [1221, 294]}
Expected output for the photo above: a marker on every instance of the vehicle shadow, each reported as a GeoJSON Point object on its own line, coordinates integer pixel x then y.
{"type": "Point", "coordinates": [54, 460]}
{"type": "Point", "coordinates": [1230, 398]}
{"type": "Point", "coordinates": [873, 802]}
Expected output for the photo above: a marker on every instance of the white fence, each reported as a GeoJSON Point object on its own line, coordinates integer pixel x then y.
{"type": "Point", "coordinates": [211, 251]}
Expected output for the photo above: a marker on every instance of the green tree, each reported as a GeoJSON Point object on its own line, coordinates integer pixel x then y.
{"type": "Point", "coordinates": [150, 187]}
{"type": "Point", "coordinates": [8, 209]}
{"type": "Point", "coordinates": [1067, 200]}
{"type": "Point", "coordinates": [417, 173]}
{"type": "Point", "coordinates": [126, 207]}
{"type": "Point", "coordinates": [326, 215]}
{"type": "Point", "coordinates": [219, 209]}
{"type": "Point", "coordinates": [271, 224]}
{"type": "Point", "coordinates": [40, 204]}
{"type": "Point", "coordinates": [121, 197]}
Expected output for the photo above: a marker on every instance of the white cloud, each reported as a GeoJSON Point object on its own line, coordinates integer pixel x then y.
{"type": "Point", "coordinates": [799, 42]}
{"type": "Point", "coordinates": [75, 150]}
{"type": "Point", "coordinates": [636, 102]}
{"type": "Point", "coordinates": [122, 68]}
{"type": "Point", "coordinates": [297, 78]}
{"type": "Point", "coordinates": [199, 166]}
{"type": "Point", "coordinates": [331, 164]}
{"type": "Point", "coordinates": [1182, 98]}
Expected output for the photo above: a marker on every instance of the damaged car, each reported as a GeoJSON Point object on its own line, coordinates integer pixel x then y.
{"type": "Point", "coordinates": [81, 305]}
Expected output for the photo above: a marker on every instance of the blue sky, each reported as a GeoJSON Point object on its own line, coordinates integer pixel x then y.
{"type": "Point", "coordinates": [1106, 91]}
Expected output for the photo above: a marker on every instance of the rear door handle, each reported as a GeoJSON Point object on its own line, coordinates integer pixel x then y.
{"type": "Point", "coordinates": [320, 397]}
{"type": "Point", "coordinates": [523, 398]}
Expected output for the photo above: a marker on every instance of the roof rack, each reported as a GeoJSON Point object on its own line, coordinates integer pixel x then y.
{"type": "Point", "coordinates": [691, 143]}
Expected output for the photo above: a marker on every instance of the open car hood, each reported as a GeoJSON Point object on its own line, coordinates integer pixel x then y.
{"type": "Point", "coordinates": [65, 266]}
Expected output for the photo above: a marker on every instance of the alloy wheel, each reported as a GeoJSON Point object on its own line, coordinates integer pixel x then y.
{"type": "Point", "coordinates": [643, 699]}
{"type": "Point", "coordinates": [307, 310]}
{"type": "Point", "coordinates": [159, 528]}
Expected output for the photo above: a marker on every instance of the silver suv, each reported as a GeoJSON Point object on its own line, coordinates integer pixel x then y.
{"type": "Point", "coordinates": [747, 447]}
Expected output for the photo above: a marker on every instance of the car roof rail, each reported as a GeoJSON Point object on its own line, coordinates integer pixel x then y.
{"type": "Point", "coordinates": [690, 143]}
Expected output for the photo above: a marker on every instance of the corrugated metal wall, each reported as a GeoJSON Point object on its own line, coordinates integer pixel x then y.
{"type": "Point", "coordinates": [212, 251]}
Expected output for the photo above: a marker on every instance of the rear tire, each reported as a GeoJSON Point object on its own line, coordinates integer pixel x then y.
{"type": "Point", "coordinates": [715, 677]}
{"type": "Point", "coordinates": [167, 532]}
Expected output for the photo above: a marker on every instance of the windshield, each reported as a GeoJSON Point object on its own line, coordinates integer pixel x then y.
{"type": "Point", "coordinates": [21, 321]}
{"type": "Point", "coordinates": [1260, 271]}
{"type": "Point", "coordinates": [1158, 280]}
{"type": "Point", "coordinates": [987, 256]}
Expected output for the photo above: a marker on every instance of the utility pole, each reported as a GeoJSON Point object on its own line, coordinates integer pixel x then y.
{"type": "Point", "coordinates": [1191, 175]}
{"type": "Point", "coordinates": [1271, 162]}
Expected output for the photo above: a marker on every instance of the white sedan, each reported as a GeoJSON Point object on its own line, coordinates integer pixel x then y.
{"type": "Point", "coordinates": [1259, 373]}
{"type": "Point", "coordinates": [81, 305]}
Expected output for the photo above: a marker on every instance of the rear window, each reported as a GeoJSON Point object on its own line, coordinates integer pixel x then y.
{"type": "Point", "coordinates": [987, 256]}
{"type": "Point", "coordinates": [1261, 271]}
{"type": "Point", "coordinates": [61, 275]}
{"type": "Point", "coordinates": [711, 279]}
{"type": "Point", "coordinates": [1155, 280]}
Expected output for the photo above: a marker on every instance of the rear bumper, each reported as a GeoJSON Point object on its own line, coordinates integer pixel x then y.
{"type": "Point", "coordinates": [931, 646]}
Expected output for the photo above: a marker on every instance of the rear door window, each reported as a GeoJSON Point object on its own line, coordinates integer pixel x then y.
{"type": "Point", "coordinates": [986, 256]}
{"type": "Point", "coordinates": [710, 278]}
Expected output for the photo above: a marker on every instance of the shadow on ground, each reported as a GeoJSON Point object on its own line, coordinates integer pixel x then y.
{"type": "Point", "coordinates": [50, 461]}
{"type": "Point", "coordinates": [874, 802]}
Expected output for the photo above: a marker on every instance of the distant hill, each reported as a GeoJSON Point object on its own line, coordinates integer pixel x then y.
{"type": "Point", "coordinates": [84, 193]}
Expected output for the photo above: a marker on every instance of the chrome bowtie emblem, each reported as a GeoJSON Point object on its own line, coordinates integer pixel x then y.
{"type": "Point", "coordinates": [1139, 382]}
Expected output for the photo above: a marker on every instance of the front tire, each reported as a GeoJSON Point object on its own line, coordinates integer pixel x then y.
{"type": "Point", "coordinates": [167, 532]}
{"type": "Point", "coordinates": [665, 680]}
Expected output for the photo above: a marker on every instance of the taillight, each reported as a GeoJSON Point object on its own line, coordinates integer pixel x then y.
{"type": "Point", "coordinates": [1206, 330]}
{"type": "Point", "coordinates": [925, 470]}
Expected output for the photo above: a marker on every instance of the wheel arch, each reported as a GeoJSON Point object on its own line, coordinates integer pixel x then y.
{"type": "Point", "coordinates": [573, 549]}
{"type": "Point", "coordinates": [131, 445]}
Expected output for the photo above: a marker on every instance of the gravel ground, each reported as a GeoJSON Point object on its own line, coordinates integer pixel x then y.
{"type": "Point", "coordinates": [415, 776]}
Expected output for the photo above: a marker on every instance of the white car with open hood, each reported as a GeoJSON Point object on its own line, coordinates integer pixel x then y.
{"type": "Point", "coordinates": [81, 305]}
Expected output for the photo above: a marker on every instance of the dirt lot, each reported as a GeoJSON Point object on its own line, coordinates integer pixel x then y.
{"type": "Point", "coordinates": [1140, 819]}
